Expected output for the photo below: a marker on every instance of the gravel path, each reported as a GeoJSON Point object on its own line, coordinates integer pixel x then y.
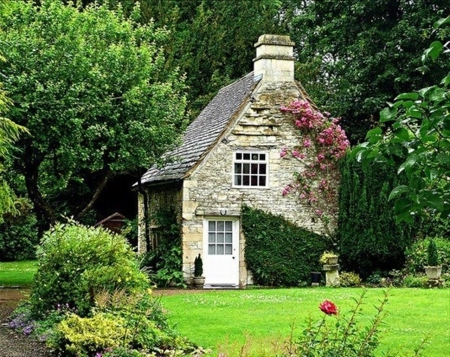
{"type": "Point", "coordinates": [13, 344]}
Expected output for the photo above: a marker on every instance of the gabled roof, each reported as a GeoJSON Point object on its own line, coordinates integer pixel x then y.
{"type": "Point", "coordinates": [204, 131]}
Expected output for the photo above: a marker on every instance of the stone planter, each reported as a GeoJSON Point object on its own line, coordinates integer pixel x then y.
{"type": "Point", "coordinates": [332, 260]}
{"type": "Point", "coordinates": [433, 272]}
{"type": "Point", "coordinates": [199, 281]}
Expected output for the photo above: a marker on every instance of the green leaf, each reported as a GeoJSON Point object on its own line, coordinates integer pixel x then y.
{"type": "Point", "coordinates": [376, 131]}
{"type": "Point", "coordinates": [440, 22]}
{"type": "Point", "coordinates": [403, 96]}
{"type": "Point", "coordinates": [397, 191]}
{"type": "Point", "coordinates": [388, 114]}
{"type": "Point", "coordinates": [402, 134]}
{"type": "Point", "coordinates": [433, 51]}
{"type": "Point", "coordinates": [410, 161]}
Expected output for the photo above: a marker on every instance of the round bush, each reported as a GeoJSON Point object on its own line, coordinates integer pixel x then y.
{"type": "Point", "coordinates": [348, 279]}
{"type": "Point", "coordinates": [78, 262]}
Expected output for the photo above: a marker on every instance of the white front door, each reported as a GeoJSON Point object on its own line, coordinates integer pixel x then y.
{"type": "Point", "coordinates": [221, 252]}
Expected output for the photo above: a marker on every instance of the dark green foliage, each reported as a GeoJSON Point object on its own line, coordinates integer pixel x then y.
{"type": "Point", "coordinates": [432, 254]}
{"type": "Point", "coordinates": [368, 51]}
{"type": "Point", "coordinates": [76, 263]}
{"type": "Point", "coordinates": [198, 266]}
{"type": "Point", "coordinates": [165, 261]}
{"type": "Point", "coordinates": [277, 252]}
{"type": "Point", "coordinates": [19, 234]}
{"type": "Point", "coordinates": [416, 255]}
{"type": "Point", "coordinates": [369, 238]}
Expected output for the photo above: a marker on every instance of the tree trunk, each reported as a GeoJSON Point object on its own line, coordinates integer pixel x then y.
{"type": "Point", "coordinates": [101, 185]}
{"type": "Point", "coordinates": [43, 210]}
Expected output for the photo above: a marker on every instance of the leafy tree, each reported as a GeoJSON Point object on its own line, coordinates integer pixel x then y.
{"type": "Point", "coordinates": [9, 134]}
{"type": "Point", "coordinates": [211, 41]}
{"type": "Point", "coordinates": [354, 56]}
{"type": "Point", "coordinates": [92, 88]}
{"type": "Point", "coordinates": [418, 141]}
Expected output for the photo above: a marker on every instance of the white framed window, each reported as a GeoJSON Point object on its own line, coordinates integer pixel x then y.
{"type": "Point", "coordinates": [250, 169]}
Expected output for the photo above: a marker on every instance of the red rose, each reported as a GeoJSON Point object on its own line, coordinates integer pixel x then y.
{"type": "Point", "coordinates": [328, 307]}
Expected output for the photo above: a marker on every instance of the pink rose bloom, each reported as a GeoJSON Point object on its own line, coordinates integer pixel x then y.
{"type": "Point", "coordinates": [328, 307]}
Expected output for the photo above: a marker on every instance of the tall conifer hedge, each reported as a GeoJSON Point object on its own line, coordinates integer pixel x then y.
{"type": "Point", "coordinates": [369, 238]}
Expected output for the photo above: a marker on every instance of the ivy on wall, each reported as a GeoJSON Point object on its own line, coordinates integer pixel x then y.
{"type": "Point", "coordinates": [277, 252]}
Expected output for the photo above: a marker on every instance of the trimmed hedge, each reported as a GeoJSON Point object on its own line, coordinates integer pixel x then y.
{"type": "Point", "coordinates": [369, 238]}
{"type": "Point", "coordinates": [277, 252]}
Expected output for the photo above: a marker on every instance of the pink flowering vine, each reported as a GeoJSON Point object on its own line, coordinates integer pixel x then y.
{"type": "Point", "coordinates": [322, 143]}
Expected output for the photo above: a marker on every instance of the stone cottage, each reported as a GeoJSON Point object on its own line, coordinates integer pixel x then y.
{"type": "Point", "coordinates": [230, 156]}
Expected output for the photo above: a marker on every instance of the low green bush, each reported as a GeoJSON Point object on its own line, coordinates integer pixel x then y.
{"type": "Point", "coordinates": [416, 256]}
{"type": "Point", "coordinates": [348, 279]}
{"type": "Point", "coordinates": [19, 233]}
{"type": "Point", "coordinates": [277, 252]}
{"type": "Point", "coordinates": [77, 262]}
{"type": "Point", "coordinates": [415, 281]}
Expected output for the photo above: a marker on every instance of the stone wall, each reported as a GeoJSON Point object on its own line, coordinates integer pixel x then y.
{"type": "Point", "coordinates": [159, 197]}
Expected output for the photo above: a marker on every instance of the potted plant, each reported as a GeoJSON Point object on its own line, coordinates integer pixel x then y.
{"type": "Point", "coordinates": [199, 279]}
{"type": "Point", "coordinates": [328, 258]}
{"type": "Point", "coordinates": [433, 270]}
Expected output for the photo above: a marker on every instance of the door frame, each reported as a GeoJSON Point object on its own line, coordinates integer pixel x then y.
{"type": "Point", "coordinates": [234, 283]}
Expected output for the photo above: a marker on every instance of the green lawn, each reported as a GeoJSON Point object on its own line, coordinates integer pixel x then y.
{"type": "Point", "coordinates": [260, 319]}
{"type": "Point", "coordinates": [17, 273]}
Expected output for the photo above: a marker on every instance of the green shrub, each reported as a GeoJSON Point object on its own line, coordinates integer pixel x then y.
{"type": "Point", "coordinates": [76, 262]}
{"type": "Point", "coordinates": [432, 254]}
{"type": "Point", "coordinates": [415, 281]}
{"type": "Point", "coordinates": [369, 238]}
{"type": "Point", "coordinates": [416, 255]}
{"type": "Point", "coordinates": [277, 252]}
{"type": "Point", "coordinates": [165, 262]}
{"type": "Point", "coordinates": [19, 233]}
{"type": "Point", "coordinates": [348, 279]}
{"type": "Point", "coordinates": [84, 336]}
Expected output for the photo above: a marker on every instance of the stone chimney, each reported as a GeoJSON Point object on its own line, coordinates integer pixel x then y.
{"type": "Point", "coordinates": [274, 58]}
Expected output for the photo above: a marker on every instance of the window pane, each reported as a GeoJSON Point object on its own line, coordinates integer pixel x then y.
{"type": "Point", "coordinates": [211, 238]}
{"type": "Point", "coordinates": [262, 181]}
{"type": "Point", "coordinates": [254, 180]}
{"type": "Point", "coordinates": [220, 249]}
{"type": "Point", "coordinates": [262, 157]}
{"type": "Point", "coordinates": [220, 226]}
{"type": "Point", "coordinates": [246, 156]}
{"type": "Point", "coordinates": [255, 157]}
{"type": "Point", "coordinates": [228, 238]}
{"type": "Point", "coordinates": [212, 249]}
{"type": "Point", "coordinates": [238, 180]}
{"type": "Point", "coordinates": [220, 238]}
{"type": "Point", "coordinates": [228, 226]}
{"type": "Point", "coordinates": [262, 169]}
{"type": "Point", "coordinates": [254, 168]}
{"type": "Point", "coordinates": [212, 226]}
{"type": "Point", "coordinates": [246, 181]}
{"type": "Point", "coordinates": [238, 168]}
{"type": "Point", "coordinates": [228, 249]}
{"type": "Point", "coordinates": [246, 168]}
{"type": "Point", "coordinates": [238, 156]}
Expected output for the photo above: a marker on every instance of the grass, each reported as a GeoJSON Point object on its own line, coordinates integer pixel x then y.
{"type": "Point", "coordinates": [258, 322]}
{"type": "Point", "coordinates": [17, 273]}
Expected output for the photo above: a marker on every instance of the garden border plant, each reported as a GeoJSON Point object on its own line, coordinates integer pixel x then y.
{"type": "Point", "coordinates": [90, 298]}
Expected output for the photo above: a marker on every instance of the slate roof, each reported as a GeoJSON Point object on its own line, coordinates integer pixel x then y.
{"type": "Point", "coordinates": [204, 131]}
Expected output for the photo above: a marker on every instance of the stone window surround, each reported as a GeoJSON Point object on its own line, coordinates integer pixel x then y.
{"type": "Point", "coordinates": [249, 174]}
